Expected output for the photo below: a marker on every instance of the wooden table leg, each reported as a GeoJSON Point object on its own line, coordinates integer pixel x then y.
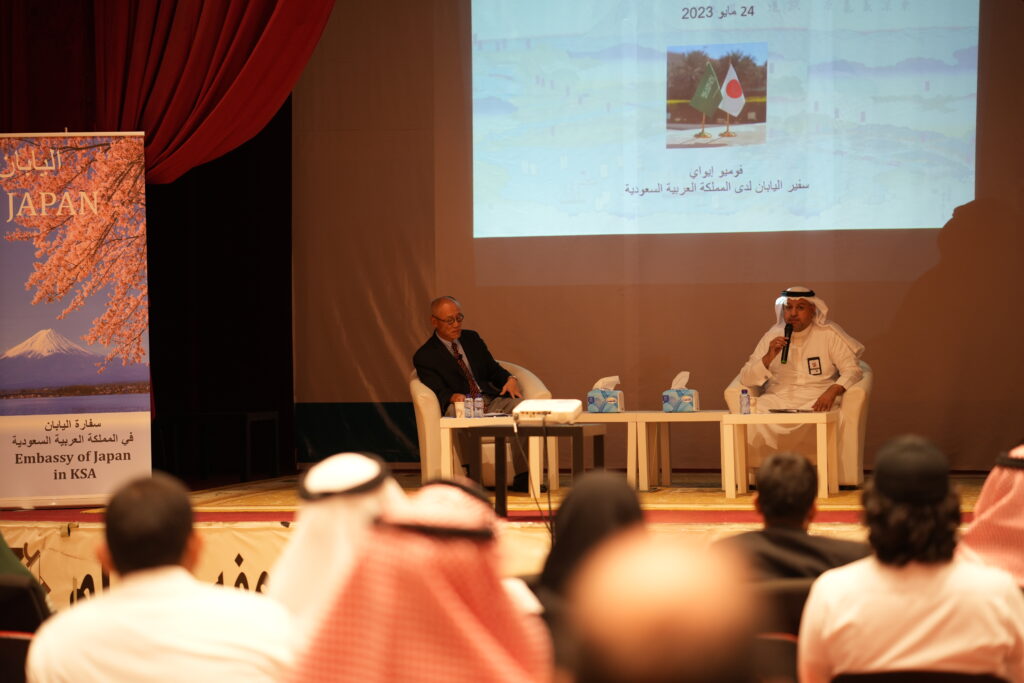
{"type": "Point", "coordinates": [741, 459]}
{"type": "Point", "coordinates": [833, 458]}
{"type": "Point", "coordinates": [551, 443]}
{"type": "Point", "coordinates": [500, 478]}
{"type": "Point", "coordinates": [631, 455]}
{"type": "Point", "coordinates": [447, 459]}
{"type": "Point", "coordinates": [598, 445]}
{"type": "Point", "coordinates": [821, 434]}
{"type": "Point", "coordinates": [536, 465]}
{"type": "Point", "coordinates": [728, 452]}
{"type": "Point", "coordinates": [578, 467]}
{"type": "Point", "coordinates": [665, 451]}
{"type": "Point", "coordinates": [643, 458]}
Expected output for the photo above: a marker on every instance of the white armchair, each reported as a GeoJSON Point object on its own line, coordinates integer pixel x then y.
{"type": "Point", "coordinates": [854, 411]}
{"type": "Point", "coordinates": [428, 412]}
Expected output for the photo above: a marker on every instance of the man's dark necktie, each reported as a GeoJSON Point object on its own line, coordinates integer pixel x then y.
{"type": "Point", "coordinates": [474, 389]}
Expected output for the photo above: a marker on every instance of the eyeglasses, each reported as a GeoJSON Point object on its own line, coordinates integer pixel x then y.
{"type": "Point", "coordinates": [450, 321]}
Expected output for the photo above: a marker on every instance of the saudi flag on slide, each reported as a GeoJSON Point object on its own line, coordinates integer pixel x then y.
{"type": "Point", "coordinates": [708, 94]}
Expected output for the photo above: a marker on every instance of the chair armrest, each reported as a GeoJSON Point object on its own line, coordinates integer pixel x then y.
{"type": "Point", "coordinates": [428, 430]}
{"type": "Point", "coordinates": [529, 383]}
{"type": "Point", "coordinates": [855, 398]}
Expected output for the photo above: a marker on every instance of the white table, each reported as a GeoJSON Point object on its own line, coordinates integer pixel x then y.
{"type": "Point", "coordinates": [647, 431]}
{"type": "Point", "coordinates": [734, 440]}
{"type": "Point", "coordinates": [645, 427]}
{"type": "Point", "coordinates": [654, 438]}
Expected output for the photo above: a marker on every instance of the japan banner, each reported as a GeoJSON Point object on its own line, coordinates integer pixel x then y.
{"type": "Point", "coordinates": [732, 94]}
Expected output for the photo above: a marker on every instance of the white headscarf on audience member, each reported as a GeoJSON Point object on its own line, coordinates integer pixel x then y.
{"type": "Point", "coordinates": [341, 498]}
{"type": "Point", "coordinates": [820, 314]}
{"type": "Point", "coordinates": [996, 536]}
{"type": "Point", "coordinates": [425, 603]}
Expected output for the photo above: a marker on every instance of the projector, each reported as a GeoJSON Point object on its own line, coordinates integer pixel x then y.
{"type": "Point", "coordinates": [548, 410]}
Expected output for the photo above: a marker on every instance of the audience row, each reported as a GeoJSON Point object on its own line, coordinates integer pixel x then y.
{"type": "Point", "coordinates": [414, 592]}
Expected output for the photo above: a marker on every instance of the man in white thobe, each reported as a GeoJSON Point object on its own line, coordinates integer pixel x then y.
{"type": "Point", "coordinates": [821, 364]}
{"type": "Point", "coordinates": [158, 623]}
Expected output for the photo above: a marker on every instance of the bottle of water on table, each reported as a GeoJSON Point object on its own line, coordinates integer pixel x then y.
{"type": "Point", "coordinates": [745, 402]}
{"type": "Point", "coordinates": [478, 405]}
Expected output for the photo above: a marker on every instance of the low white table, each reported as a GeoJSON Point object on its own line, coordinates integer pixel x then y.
{"type": "Point", "coordinates": [647, 431]}
{"type": "Point", "coordinates": [734, 441]}
{"type": "Point", "coordinates": [654, 438]}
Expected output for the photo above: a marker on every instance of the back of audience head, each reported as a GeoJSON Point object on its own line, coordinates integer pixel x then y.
{"type": "Point", "coordinates": [996, 535]}
{"type": "Point", "coordinates": [787, 485]}
{"type": "Point", "coordinates": [599, 504]}
{"type": "Point", "coordinates": [425, 601]}
{"type": "Point", "coordinates": [647, 609]}
{"type": "Point", "coordinates": [149, 524]}
{"type": "Point", "coordinates": [342, 496]}
{"type": "Point", "coordinates": [911, 510]}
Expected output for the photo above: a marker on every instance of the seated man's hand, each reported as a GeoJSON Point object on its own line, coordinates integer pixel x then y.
{"type": "Point", "coordinates": [828, 398]}
{"type": "Point", "coordinates": [512, 388]}
{"type": "Point", "coordinates": [457, 398]}
{"type": "Point", "coordinates": [775, 347]}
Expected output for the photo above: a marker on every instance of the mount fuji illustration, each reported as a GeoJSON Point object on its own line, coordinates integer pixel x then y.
{"type": "Point", "coordinates": [48, 359]}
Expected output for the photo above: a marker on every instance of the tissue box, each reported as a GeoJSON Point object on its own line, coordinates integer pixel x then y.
{"type": "Point", "coordinates": [604, 401]}
{"type": "Point", "coordinates": [680, 401]}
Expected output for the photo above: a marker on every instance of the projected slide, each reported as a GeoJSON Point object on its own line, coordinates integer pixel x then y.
{"type": "Point", "coordinates": [641, 117]}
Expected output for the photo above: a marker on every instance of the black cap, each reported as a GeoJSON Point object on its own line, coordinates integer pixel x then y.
{"type": "Point", "coordinates": [910, 469]}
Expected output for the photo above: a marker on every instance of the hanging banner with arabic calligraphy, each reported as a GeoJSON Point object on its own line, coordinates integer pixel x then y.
{"type": "Point", "coordinates": [74, 373]}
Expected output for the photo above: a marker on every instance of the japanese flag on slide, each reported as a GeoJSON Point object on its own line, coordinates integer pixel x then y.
{"type": "Point", "coordinates": [732, 94]}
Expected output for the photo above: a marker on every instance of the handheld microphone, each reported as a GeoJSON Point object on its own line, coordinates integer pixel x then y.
{"type": "Point", "coordinates": [785, 349]}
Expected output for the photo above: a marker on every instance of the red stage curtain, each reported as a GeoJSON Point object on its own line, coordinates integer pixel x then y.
{"type": "Point", "coordinates": [200, 78]}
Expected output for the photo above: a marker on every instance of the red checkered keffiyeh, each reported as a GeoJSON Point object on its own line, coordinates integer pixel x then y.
{"type": "Point", "coordinates": [996, 536]}
{"type": "Point", "coordinates": [425, 603]}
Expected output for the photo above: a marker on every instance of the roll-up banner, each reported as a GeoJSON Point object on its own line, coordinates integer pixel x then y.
{"type": "Point", "coordinates": [74, 318]}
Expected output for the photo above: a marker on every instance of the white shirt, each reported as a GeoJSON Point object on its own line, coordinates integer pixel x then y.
{"type": "Point", "coordinates": [163, 625]}
{"type": "Point", "coordinates": [953, 616]}
{"type": "Point", "coordinates": [818, 358]}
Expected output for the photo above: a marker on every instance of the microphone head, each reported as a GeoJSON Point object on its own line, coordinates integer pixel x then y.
{"type": "Point", "coordinates": [789, 331]}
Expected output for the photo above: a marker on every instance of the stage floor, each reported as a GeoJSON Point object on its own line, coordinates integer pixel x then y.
{"type": "Point", "coordinates": [245, 526]}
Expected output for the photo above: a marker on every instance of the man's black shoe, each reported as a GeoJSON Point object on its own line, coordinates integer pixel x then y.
{"type": "Point", "coordinates": [521, 484]}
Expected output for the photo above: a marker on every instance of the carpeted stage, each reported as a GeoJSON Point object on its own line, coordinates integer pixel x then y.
{"type": "Point", "coordinates": [246, 525]}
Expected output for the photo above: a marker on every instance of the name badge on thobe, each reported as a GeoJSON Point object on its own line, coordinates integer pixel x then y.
{"type": "Point", "coordinates": [814, 365]}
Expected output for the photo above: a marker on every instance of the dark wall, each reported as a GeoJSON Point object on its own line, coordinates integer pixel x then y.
{"type": "Point", "coordinates": [220, 308]}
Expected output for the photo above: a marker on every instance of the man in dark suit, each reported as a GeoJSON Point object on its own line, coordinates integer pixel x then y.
{"type": "Point", "coordinates": [455, 363]}
{"type": "Point", "coordinates": [786, 488]}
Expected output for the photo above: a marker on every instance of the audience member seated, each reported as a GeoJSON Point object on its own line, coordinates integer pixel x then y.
{"type": "Point", "coordinates": [9, 562]}
{"type": "Point", "coordinates": [996, 536]}
{"type": "Point", "coordinates": [24, 604]}
{"type": "Point", "coordinates": [341, 497]}
{"type": "Point", "coordinates": [787, 486]}
{"type": "Point", "coordinates": [599, 505]}
{"type": "Point", "coordinates": [157, 622]}
{"type": "Point", "coordinates": [648, 608]}
{"type": "Point", "coordinates": [425, 602]}
{"type": "Point", "coordinates": [913, 605]}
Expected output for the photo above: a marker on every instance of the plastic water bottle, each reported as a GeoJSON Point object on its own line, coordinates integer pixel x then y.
{"type": "Point", "coordinates": [467, 409]}
{"type": "Point", "coordinates": [745, 402]}
{"type": "Point", "coordinates": [478, 406]}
